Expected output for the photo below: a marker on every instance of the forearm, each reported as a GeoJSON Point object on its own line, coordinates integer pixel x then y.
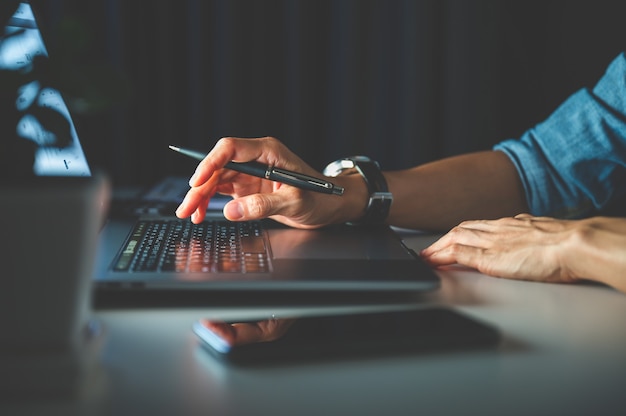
{"type": "Point", "coordinates": [597, 251]}
{"type": "Point", "coordinates": [439, 195]}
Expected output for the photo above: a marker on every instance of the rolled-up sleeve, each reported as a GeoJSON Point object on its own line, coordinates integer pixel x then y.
{"type": "Point", "coordinates": [574, 163]}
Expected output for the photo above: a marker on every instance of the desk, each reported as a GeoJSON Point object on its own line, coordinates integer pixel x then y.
{"type": "Point", "coordinates": [563, 352]}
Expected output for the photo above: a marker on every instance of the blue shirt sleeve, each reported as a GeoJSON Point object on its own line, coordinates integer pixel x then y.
{"type": "Point", "coordinates": [574, 163]}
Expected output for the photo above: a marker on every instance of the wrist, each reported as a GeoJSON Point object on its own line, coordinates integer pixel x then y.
{"type": "Point", "coordinates": [594, 241]}
{"type": "Point", "coordinates": [354, 198]}
{"type": "Point", "coordinates": [379, 199]}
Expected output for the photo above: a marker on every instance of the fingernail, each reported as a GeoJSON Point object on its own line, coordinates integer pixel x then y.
{"type": "Point", "coordinates": [182, 205]}
{"type": "Point", "coordinates": [233, 211]}
{"type": "Point", "coordinates": [192, 180]}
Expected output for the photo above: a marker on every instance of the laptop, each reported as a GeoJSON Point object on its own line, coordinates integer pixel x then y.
{"type": "Point", "coordinates": [151, 254]}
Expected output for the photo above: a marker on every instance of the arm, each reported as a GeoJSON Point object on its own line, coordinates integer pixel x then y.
{"type": "Point", "coordinates": [433, 196]}
{"type": "Point", "coordinates": [599, 241]}
{"type": "Point", "coordinates": [439, 195]}
{"type": "Point", "coordinates": [538, 248]}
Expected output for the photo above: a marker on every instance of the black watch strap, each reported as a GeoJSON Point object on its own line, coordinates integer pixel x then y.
{"type": "Point", "coordinates": [380, 198]}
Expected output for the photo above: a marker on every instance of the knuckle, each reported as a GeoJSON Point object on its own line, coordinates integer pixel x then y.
{"type": "Point", "coordinates": [455, 249]}
{"type": "Point", "coordinates": [465, 224]}
{"type": "Point", "coordinates": [271, 143]}
{"type": "Point", "coordinates": [225, 142]}
{"type": "Point", "coordinates": [455, 231]}
{"type": "Point", "coordinates": [270, 140]}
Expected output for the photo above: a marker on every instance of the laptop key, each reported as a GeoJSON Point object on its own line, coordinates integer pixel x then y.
{"type": "Point", "coordinates": [212, 246]}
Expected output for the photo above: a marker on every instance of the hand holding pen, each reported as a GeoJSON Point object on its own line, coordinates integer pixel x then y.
{"type": "Point", "coordinates": [272, 173]}
{"type": "Point", "coordinates": [311, 202]}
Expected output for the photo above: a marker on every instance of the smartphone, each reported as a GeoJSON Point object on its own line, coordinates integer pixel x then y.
{"type": "Point", "coordinates": [342, 336]}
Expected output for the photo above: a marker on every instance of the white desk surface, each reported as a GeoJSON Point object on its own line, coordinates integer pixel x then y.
{"type": "Point", "coordinates": [563, 353]}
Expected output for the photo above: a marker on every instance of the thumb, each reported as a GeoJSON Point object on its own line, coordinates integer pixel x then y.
{"type": "Point", "coordinates": [252, 207]}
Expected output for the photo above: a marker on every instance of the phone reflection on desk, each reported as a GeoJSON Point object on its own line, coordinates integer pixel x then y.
{"type": "Point", "coordinates": [346, 335]}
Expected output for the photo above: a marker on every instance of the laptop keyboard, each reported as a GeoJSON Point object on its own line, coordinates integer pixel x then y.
{"type": "Point", "coordinates": [181, 246]}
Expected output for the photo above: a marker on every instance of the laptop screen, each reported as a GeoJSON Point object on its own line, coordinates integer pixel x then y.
{"type": "Point", "coordinates": [41, 115]}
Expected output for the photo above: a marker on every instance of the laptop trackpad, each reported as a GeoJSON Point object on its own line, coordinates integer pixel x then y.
{"type": "Point", "coordinates": [343, 242]}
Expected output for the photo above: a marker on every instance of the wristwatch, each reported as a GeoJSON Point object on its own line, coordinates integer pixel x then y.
{"type": "Point", "coordinates": [380, 198]}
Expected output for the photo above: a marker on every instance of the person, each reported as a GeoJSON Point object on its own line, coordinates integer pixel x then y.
{"type": "Point", "coordinates": [534, 208]}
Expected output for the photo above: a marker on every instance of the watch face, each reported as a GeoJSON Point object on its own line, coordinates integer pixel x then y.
{"type": "Point", "coordinates": [380, 198]}
{"type": "Point", "coordinates": [338, 167]}
{"type": "Point", "coordinates": [335, 168]}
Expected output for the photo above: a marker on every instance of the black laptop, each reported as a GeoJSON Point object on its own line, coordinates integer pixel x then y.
{"type": "Point", "coordinates": [153, 252]}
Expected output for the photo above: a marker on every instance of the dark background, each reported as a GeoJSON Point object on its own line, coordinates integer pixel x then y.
{"type": "Point", "coordinates": [402, 81]}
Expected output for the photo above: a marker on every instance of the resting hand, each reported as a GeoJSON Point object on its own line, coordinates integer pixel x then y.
{"type": "Point", "coordinates": [538, 248]}
{"type": "Point", "coordinates": [256, 198]}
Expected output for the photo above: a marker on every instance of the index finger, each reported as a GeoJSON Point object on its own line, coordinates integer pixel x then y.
{"type": "Point", "coordinates": [231, 149]}
{"type": "Point", "coordinates": [466, 233]}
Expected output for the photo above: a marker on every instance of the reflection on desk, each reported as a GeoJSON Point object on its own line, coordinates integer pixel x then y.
{"type": "Point", "coordinates": [343, 336]}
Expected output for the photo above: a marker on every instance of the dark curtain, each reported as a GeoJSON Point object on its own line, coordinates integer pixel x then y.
{"type": "Point", "coordinates": [402, 81]}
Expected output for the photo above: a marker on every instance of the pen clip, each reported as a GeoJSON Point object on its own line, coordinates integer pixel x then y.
{"type": "Point", "coordinates": [281, 175]}
{"type": "Point", "coordinates": [295, 179]}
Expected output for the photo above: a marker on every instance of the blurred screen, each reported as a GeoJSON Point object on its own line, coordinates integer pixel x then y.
{"type": "Point", "coordinates": [42, 114]}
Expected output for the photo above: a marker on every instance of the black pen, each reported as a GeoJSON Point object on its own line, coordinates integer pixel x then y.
{"type": "Point", "coordinates": [272, 173]}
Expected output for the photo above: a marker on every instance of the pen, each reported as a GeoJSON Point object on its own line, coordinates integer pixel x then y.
{"type": "Point", "coordinates": [272, 173]}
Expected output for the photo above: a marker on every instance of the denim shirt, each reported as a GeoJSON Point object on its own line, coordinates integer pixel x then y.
{"type": "Point", "coordinates": [573, 164]}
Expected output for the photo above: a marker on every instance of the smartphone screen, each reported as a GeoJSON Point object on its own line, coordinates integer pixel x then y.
{"type": "Point", "coordinates": [349, 335]}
